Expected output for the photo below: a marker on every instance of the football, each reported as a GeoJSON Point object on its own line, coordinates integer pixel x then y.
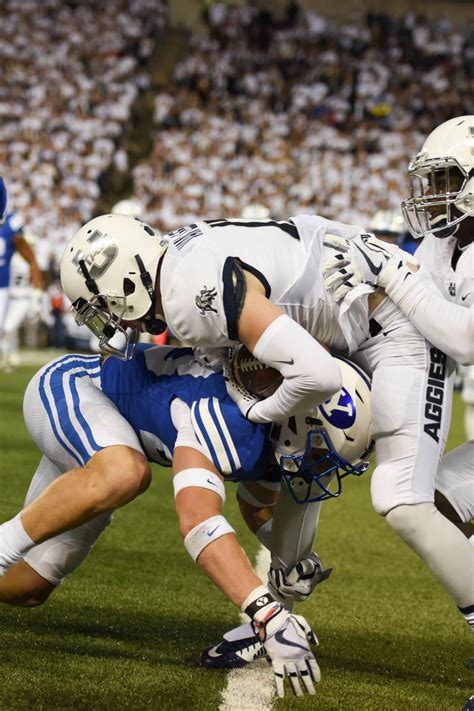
{"type": "Point", "coordinates": [253, 375]}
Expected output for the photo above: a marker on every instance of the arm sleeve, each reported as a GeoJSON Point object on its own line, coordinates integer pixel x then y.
{"type": "Point", "coordinates": [310, 374]}
{"type": "Point", "coordinates": [448, 326]}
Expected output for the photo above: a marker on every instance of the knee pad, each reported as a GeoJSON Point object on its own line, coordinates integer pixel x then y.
{"type": "Point", "coordinates": [397, 484]}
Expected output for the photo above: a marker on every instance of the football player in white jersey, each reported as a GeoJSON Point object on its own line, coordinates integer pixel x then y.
{"type": "Point", "coordinates": [439, 297]}
{"type": "Point", "coordinates": [94, 423]}
{"type": "Point", "coordinates": [218, 282]}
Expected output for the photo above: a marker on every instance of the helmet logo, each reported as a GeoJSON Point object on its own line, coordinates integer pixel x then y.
{"type": "Point", "coordinates": [102, 254]}
{"type": "Point", "coordinates": [205, 299]}
{"type": "Point", "coordinates": [339, 410]}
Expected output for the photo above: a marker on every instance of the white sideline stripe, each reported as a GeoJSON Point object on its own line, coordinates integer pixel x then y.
{"type": "Point", "coordinates": [253, 686]}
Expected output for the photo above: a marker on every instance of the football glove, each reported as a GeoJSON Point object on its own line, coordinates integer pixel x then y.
{"type": "Point", "coordinates": [287, 638]}
{"type": "Point", "coordinates": [211, 357]}
{"type": "Point", "coordinates": [300, 581]}
{"type": "Point", "coordinates": [242, 397]}
{"type": "Point", "coordinates": [362, 260]}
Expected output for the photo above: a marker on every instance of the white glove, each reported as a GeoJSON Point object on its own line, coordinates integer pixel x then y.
{"type": "Point", "coordinates": [211, 357]}
{"type": "Point", "coordinates": [36, 305]}
{"type": "Point", "coordinates": [363, 260]}
{"type": "Point", "coordinates": [286, 638]}
{"type": "Point", "coordinates": [242, 397]}
{"type": "Point", "coordinates": [300, 581]}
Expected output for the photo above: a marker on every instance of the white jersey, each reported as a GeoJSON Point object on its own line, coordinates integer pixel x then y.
{"type": "Point", "coordinates": [457, 285]}
{"type": "Point", "coordinates": [203, 289]}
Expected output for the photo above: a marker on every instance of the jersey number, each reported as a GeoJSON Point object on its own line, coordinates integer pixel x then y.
{"type": "Point", "coordinates": [101, 256]}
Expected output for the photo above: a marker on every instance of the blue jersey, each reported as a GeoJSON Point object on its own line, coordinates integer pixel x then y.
{"type": "Point", "coordinates": [12, 225]}
{"type": "Point", "coordinates": [144, 388]}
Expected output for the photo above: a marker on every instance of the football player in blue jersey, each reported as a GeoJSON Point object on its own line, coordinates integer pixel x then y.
{"type": "Point", "coordinates": [97, 425]}
{"type": "Point", "coordinates": [260, 282]}
{"type": "Point", "coordinates": [11, 240]}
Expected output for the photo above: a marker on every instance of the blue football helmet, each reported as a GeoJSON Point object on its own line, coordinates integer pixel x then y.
{"type": "Point", "coordinates": [316, 451]}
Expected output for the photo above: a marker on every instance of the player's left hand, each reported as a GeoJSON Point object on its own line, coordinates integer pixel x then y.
{"type": "Point", "coordinates": [300, 581]}
{"type": "Point", "coordinates": [362, 260]}
{"type": "Point", "coordinates": [211, 357]}
{"type": "Point", "coordinates": [242, 397]}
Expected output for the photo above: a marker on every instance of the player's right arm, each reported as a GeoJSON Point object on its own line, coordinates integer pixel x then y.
{"type": "Point", "coordinates": [310, 374]}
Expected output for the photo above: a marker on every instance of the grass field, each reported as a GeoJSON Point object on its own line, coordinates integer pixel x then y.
{"type": "Point", "coordinates": [125, 631]}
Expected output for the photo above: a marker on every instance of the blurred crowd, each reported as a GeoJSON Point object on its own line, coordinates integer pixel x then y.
{"type": "Point", "coordinates": [302, 114]}
{"type": "Point", "coordinates": [299, 114]}
{"type": "Point", "coordinates": [71, 70]}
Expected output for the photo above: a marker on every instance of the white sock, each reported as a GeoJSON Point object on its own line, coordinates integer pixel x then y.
{"type": "Point", "coordinates": [14, 542]}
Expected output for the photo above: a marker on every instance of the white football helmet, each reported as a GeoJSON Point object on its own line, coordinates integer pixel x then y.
{"type": "Point", "coordinates": [316, 451]}
{"type": "Point", "coordinates": [129, 207]}
{"type": "Point", "coordinates": [108, 271]}
{"type": "Point", "coordinates": [442, 180]}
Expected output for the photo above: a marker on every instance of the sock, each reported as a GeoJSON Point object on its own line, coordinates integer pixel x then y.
{"type": "Point", "coordinates": [14, 542]}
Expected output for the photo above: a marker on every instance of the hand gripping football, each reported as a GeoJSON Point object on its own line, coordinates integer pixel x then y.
{"type": "Point", "coordinates": [253, 375]}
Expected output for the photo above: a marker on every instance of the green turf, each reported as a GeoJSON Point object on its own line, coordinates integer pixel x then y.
{"type": "Point", "coordinates": [125, 631]}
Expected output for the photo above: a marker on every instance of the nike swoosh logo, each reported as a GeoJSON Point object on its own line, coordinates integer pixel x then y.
{"type": "Point", "coordinates": [374, 269]}
{"type": "Point", "coordinates": [463, 298]}
{"type": "Point", "coordinates": [385, 333]}
{"type": "Point", "coordinates": [211, 482]}
{"type": "Point", "coordinates": [282, 640]}
{"type": "Point", "coordinates": [212, 652]}
{"type": "Point", "coordinates": [285, 362]}
{"type": "Point", "coordinates": [211, 532]}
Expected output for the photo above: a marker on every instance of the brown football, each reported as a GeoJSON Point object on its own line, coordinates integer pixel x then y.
{"type": "Point", "coordinates": [255, 376]}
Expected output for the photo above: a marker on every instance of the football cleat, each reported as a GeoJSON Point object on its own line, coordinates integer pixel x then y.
{"type": "Point", "coordinates": [469, 705]}
{"type": "Point", "coordinates": [238, 648]}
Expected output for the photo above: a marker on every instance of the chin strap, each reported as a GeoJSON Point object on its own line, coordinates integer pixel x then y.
{"type": "Point", "coordinates": [89, 281]}
{"type": "Point", "coordinates": [153, 325]}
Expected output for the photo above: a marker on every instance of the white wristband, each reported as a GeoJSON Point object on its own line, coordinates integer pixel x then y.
{"type": "Point", "coordinates": [205, 533]}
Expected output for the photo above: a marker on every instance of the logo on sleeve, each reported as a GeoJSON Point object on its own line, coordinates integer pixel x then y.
{"type": "Point", "coordinates": [205, 299]}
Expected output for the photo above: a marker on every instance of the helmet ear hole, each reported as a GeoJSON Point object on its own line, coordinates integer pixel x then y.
{"type": "Point", "coordinates": [128, 287]}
